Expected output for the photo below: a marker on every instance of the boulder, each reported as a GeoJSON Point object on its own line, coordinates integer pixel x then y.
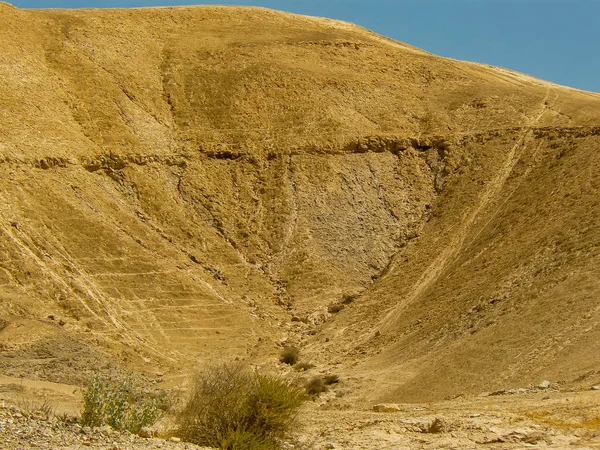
{"type": "Point", "coordinates": [386, 408]}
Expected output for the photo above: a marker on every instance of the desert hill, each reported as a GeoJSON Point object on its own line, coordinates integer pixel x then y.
{"type": "Point", "coordinates": [180, 185]}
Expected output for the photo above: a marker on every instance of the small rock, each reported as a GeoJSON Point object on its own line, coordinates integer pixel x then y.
{"type": "Point", "coordinates": [531, 438]}
{"type": "Point", "coordinates": [386, 408]}
{"type": "Point", "coordinates": [146, 432]}
{"type": "Point", "coordinates": [596, 387]}
{"type": "Point", "coordinates": [491, 440]}
{"type": "Point", "coordinates": [436, 426]}
{"type": "Point", "coordinates": [174, 439]}
{"type": "Point", "coordinates": [544, 384]}
{"type": "Point", "coordinates": [106, 429]}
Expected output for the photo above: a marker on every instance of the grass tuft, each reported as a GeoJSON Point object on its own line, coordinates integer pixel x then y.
{"type": "Point", "coordinates": [33, 408]}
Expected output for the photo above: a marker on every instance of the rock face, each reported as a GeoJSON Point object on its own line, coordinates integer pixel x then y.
{"type": "Point", "coordinates": [178, 183]}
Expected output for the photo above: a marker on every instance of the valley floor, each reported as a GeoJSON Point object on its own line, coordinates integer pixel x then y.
{"type": "Point", "coordinates": [530, 420]}
{"type": "Point", "coordinates": [525, 418]}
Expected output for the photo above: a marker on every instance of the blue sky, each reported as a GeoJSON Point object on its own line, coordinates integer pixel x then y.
{"type": "Point", "coordinates": [557, 40]}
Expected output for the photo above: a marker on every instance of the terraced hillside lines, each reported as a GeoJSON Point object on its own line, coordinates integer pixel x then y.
{"type": "Point", "coordinates": [126, 279]}
{"type": "Point", "coordinates": [26, 252]}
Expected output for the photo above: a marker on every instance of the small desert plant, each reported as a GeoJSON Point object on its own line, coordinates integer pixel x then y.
{"type": "Point", "coordinates": [319, 384]}
{"type": "Point", "coordinates": [315, 386]}
{"type": "Point", "coordinates": [233, 409]}
{"type": "Point", "coordinates": [289, 355]}
{"type": "Point", "coordinates": [120, 402]}
{"type": "Point", "coordinates": [32, 408]}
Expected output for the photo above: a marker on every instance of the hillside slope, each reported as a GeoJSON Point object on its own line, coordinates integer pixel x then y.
{"type": "Point", "coordinates": [186, 184]}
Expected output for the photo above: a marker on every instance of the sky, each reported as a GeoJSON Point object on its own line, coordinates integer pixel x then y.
{"type": "Point", "coordinates": [556, 40]}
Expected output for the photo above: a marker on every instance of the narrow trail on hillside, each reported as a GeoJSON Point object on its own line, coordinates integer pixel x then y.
{"type": "Point", "coordinates": [457, 240]}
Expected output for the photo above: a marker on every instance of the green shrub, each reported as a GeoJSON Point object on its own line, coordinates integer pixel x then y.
{"type": "Point", "coordinates": [120, 402]}
{"type": "Point", "coordinates": [232, 409]}
{"type": "Point", "coordinates": [289, 355]}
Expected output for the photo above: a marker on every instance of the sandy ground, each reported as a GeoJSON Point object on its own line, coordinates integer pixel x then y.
{"type": "Point", "coordinates": [535, 420]}
{"type": "Point", "coordinates": [523, 418]}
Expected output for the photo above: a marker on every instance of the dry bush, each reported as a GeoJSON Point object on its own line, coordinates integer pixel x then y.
{"type": "Point", "coordinates": [120, 402]}
{"type": "Point", "coordinates": [230, 408]}
{"type": "Point", "coordinates": [317, 385]}
{"type": "Point", "coordinates": [289, 355]}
